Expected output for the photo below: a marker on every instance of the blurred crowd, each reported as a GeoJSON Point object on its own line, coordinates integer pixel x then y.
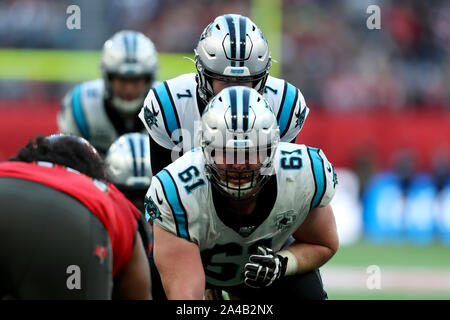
{"type": "Point", "coordinates": [342, 64]}
{"type": "Point", "coordinates": [327, 49]}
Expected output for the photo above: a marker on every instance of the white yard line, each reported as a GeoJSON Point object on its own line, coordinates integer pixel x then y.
{"type": "Point", "coordinates": [393, 279]}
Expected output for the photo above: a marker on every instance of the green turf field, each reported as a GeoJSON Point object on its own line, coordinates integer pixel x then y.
{"type": "Point", "coordinates": [395, 258]}
{"type": "Point", "coordinates": [365, 253]}
{"type": "Point", "coordinates": [385, 295]}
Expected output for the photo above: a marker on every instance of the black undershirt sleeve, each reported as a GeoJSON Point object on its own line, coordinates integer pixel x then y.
{"type": "Point", "coordinates": [160, 157]}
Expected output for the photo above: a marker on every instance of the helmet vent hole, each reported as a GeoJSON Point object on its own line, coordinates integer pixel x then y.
{"type": "Point", "coordinates": [220, 99]}
{"type": "Point", "coordinates": [259, 99]}
{"type": "Point", "coordinates": [218, 27]}
{"type": "Point", "coordinates": [254, 28]}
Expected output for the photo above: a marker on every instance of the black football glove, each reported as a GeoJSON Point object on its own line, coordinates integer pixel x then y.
{"type": "Point", "coordinates": [264, 268]}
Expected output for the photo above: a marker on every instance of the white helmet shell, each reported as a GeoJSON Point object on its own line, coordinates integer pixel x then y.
{"type": "Point", "coordinates": [239, 128]}
{"type": "Point", "coordinates": [128, 53]}
{"type": "Point", "coordinates": [127, 162]}
{"type": "Point", "coordinates": [232, 48]}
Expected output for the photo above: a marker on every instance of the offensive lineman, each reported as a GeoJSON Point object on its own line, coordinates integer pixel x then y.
{"type": "Point", "coordinates": [232, 50]}
{"type": "Point", "coordinates": [223, 211]}
{"type": "Point", "coordinates": [102, 110]}
{"type": "Point", "coordinates": [127, 165]}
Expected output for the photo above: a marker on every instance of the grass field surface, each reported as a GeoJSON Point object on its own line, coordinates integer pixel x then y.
{"type": "Point", "coordinates": [407, 272]}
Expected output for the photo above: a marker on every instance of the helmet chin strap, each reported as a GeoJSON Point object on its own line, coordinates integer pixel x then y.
{"type": "Point", "coordinates": [127, 107]}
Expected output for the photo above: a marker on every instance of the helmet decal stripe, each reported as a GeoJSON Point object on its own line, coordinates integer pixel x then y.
{"type": "Point", "coordinates": [127, 45]}
{"type": "Point", "coordinates": [243, 34]}
{"type": "Point", "coordinates": [139, 155]}
{"type": "Point", "coordinates": [245, 101]}
{"type": "Point", "coordinates": [78, 113]}
{"type": "Point", "coordinates": [232, 31]}
{"type": "Point", "coordinates": [173, 198]}
{"type": "Point", "coordinates": [130, 41]}
{"type": "Point", "coordinates": [134, 44]}
{"type": "Point", "coordinates": [288, 103]}
{"type": "Point", "coordinates": [233, 104]}
{"type": "Point", "coordinates": [133, 153]}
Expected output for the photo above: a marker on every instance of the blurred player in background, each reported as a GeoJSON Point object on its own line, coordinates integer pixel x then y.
{"type": "Point", "coordinates": [232, 50]}
{"type": "Point", "coordinates": [223, 212]}
{"type": "Point", "coordinates": [59, 216]}
{"type": "Point", "coordinates": [127, 166]}
{"type": "Point", "coordinates": [102, 110]}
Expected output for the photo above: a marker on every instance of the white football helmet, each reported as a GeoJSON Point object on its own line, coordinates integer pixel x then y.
{"type": "Point", "coordinates": [128, 53]}
{"type": "Point", "coordinates": [239, 136]}
{"type": "Point", "coordinates": [231, 49]}
{"type": "Point", "coordinates": [127, 162]}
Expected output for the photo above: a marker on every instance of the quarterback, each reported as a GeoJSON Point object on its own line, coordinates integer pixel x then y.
{"type": "Point", "coordinates": [223, 212]}
{"type": "Point", "coordinates": [231, 51]}
{"type": "Point", "coordinates": [102, 110]}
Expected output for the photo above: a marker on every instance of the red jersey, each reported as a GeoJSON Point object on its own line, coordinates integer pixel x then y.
{"type": "Point", "coordinates": [107, 203]}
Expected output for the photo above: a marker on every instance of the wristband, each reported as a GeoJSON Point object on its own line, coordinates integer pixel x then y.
{"type": "Point", "coordinates": [292, 263]}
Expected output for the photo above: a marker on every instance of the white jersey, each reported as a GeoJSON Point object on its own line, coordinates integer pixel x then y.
{"type": "Point", "coordinates": [172, 117]}
{"type": "Point", "coordinates": [180, 200]}
{"type": "Point", "coordinates": [83, 113]}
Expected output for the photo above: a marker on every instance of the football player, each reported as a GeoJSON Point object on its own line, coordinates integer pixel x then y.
{"type": "Point", "coordinates": [232, 50]}
{"type": "Point", "coordinates": [127, 165]}
{"type": "Point", "coordinates": [223, 212]}
{"type": "Point", "coordinates": [102, 110]}
{"type": "Point", "coordinates": [66, 233]}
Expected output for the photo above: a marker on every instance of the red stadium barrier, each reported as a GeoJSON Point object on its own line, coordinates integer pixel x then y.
{"type": "Point", "coordinates": [19, 121]}
{"type": "Point", "coordinates": [343, 136]}
{"type": "Point", "coordinates": [379, 135]}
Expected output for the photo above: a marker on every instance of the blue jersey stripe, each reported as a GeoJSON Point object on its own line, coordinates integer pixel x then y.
{"type": "Point", "coordinates": [318, 170]}
{"type": "Point", "coordinates": [173, 197]}
{"type": "Point", "coordinates": [168, 107]}
{"type": "Point", "coordinates": [78, 113]}
{"type": "Point", "coordinates": [287, 107]}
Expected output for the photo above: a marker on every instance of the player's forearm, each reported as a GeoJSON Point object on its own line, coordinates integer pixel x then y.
{"type": "Point", "coordinates": [184, 291]}
{"type": "Point", "coordinates": [309, 256]}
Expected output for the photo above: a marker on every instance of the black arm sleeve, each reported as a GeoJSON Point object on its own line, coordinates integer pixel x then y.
{"type": "Point", "coordinates": [160, 157]}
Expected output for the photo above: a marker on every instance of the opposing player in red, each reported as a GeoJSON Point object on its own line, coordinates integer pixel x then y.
{"type": "Point", "coordinates": [65, 233]}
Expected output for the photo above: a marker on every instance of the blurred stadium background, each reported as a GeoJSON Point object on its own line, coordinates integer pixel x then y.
{"type": "Point", "coordinates": [379, 100]}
